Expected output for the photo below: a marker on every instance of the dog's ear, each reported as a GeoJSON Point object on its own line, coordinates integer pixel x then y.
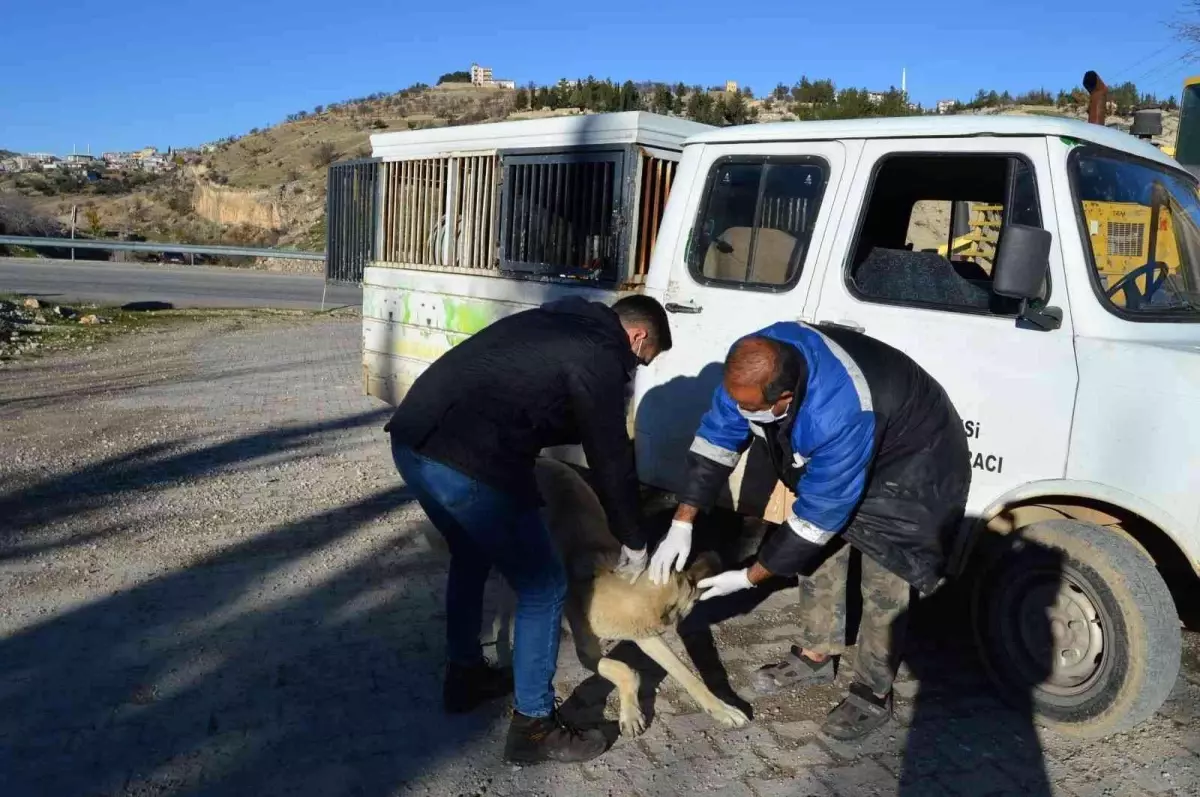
{"type": "Point", "coordinates": [707, 564]}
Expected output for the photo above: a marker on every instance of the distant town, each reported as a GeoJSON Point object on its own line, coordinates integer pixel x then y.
{"type": "Point", "coordinates": [148, 160]}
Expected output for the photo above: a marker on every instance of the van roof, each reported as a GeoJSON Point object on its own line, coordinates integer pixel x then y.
{"type": "Point", "coordinates": [956, 125]}
{"type": "Point", "coordinates": [629, 127]}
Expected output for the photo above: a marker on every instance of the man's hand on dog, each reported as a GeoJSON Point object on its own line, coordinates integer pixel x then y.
{"type": "Point", "coordinates": [725, 583]}
{"type": "Point", "coordinates": [631, 564]}
{"type": "Point", "coordinates": [671, 552]}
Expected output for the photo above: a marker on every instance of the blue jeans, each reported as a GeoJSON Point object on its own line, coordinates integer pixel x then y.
{"type": "Point", "coordinates": [486, 528]}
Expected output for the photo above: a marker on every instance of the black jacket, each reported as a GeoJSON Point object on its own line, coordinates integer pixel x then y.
{"type": "Point", "coordinates": [552, 376]}
{"type": "Point", "coordinates": [872, 447]}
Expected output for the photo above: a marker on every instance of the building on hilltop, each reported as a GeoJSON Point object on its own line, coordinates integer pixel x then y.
{"type": "Point", "coordinates": [24, 163]}
{"type": "Point", "coordinates": [945, 106]}
{"type": "Point", "coordinates": [482, 76]}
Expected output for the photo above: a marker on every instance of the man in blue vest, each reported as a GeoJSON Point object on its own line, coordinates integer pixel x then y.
{"type": "Point", "coordinates": [877, 458]}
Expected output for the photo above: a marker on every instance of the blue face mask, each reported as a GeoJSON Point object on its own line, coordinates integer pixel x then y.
{"type": "Point", "coordinates": [761, 416]}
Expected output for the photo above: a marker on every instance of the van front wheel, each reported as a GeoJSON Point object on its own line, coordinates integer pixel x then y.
{"type": "Point", "coordinates": [1075, 625]}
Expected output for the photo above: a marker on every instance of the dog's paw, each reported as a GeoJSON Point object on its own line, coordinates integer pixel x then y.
{"type": "Point", "coordinates": [728, 716]}
{"type": "Point", "coordinates": [632, 721]}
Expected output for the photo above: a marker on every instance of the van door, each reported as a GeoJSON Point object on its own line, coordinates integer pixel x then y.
{"type": "Point", "coordinates": [743, 246]}
{"type": "Point", "coordinates": [906, 279]}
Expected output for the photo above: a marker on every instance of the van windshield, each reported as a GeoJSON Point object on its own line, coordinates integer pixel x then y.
{"type": "Point", "coordinates": [1143, 223]}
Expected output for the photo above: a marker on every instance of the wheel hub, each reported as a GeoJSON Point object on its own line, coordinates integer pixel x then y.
{"type": "Point", "coordinates": [1061, 630]}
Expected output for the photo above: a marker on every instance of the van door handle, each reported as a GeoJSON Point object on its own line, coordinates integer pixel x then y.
{"type": "Point", "coordinates": [853, 326]}
{"type": "Point", "coordinates": [674, 307]}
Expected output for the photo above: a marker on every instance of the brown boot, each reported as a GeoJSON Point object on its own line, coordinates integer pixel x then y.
{"type": "Point", "coordinates": [532, 740]}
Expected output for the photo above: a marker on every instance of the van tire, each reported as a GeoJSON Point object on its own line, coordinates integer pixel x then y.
{"type": "Point", "coordinates": [1118, 642]}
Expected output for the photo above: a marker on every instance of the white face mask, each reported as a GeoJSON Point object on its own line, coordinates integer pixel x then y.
{"type": "Point", "coordinates": [761, 416]}
{"type": "Point", "coordinates": [637, 353]}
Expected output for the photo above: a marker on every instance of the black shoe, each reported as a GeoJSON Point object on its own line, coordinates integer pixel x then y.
{"type": "Point", "coordinates": [532, 740]}
{"type": "Point", "coordinates": [795, 671]}
{"type": "Point", "coordinates": [858, 714]}
{"type": "Point", "coordinates": [466, 688]}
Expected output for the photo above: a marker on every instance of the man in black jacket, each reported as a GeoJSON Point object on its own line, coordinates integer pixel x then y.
{"type": "Point", "coordinates": [465, 438]}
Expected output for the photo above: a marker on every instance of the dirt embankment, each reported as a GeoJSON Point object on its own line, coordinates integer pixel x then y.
{"type": "Point", "coordinates": [237, 206]}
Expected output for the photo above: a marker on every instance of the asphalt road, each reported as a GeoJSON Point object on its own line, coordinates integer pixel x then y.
{"type": "Point", "coordinates": [178, 286]}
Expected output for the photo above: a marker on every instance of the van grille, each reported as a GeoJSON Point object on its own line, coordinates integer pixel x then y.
{"type": "Point", "coordinates": [1125, 239]}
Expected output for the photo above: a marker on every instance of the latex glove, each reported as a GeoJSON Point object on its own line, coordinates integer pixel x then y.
{"type": "Point", "coordinates": [725, 583]}
{"type": "Point", "coordinates": [671, 552]}
{"type": "Point", "coordinates": [631, 564]}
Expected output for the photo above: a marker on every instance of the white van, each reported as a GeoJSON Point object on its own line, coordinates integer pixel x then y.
{"type": "Point", "coordinates": [1045, 271]}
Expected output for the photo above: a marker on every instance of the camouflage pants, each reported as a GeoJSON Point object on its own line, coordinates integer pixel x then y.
{"type": "Point", "coordinates": [884, 616]}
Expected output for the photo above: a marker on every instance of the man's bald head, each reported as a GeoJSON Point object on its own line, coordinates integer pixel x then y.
{"type": "Point", "coordinates": [762, 367]}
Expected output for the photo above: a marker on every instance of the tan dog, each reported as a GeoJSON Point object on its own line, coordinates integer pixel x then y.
{"type": "Point", "coordinates": [603, 606]}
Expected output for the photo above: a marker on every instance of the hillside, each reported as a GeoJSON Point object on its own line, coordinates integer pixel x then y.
{"type": "Point", "coordinates": [268, 187]}
{"type": "Point", "coordinates": [264, 188]}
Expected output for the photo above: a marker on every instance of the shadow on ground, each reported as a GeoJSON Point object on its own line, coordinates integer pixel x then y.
{"type": "Point", "coordinates": [132, 379]}
{"type": "Point", "coordinates": [229, 677]}
{"type": "Point", "coordinates": [953, 732]}
{"type": "Point", "coordinates": [153, 466]}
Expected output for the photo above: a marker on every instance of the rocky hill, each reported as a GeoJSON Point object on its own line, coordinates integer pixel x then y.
{"type": "Point", "coordinates": [268, 187]}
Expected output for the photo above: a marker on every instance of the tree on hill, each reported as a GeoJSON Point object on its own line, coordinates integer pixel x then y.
{"type": "Point", "coordinates": [460, 76]}
{"type": "Point", "coordinates": [630, 100]}
{"type": "Point", "coordinates": [1035, 97]}
{"type": "Point", "coordinates": [663, 100]}
{"type": "Point", "coordinates": [324, 154]}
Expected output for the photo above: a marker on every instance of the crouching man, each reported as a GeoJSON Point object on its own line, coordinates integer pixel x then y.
{"type": "Point", "coordinates": [878, 460]}
{"type": "Point", "coordinates": [466, 438]}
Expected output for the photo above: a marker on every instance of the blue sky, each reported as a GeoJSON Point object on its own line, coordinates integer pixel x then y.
{"type": "Point", "coordinates": [130, 73]}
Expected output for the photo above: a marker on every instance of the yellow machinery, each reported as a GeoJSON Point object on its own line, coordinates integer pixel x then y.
{"type": "Point", "coordinates": [979, 244]}
{"type": "Point", "coordinates": [1121, 240]}
{"type": "Point", "coordinates": [1120, 231]}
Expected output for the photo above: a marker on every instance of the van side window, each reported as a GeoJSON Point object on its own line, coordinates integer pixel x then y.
{"type": "Point", "coordinates": [756, 221]}
{"type": "Point", "coordinates": [932, 226]}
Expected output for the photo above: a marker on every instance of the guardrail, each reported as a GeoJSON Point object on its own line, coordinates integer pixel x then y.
{"type": "Point", "coordinates": [157, 246]}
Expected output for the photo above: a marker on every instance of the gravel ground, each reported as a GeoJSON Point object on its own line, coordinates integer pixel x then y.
{"type": "Point", "coordinates": [213, 582]}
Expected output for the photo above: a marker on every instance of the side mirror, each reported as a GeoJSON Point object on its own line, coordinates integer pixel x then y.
{"type": "Point", "coordinates": [1022, 261]}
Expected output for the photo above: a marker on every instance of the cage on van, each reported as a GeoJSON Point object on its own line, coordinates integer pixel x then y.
{"type": "Point", "coordinates": [562, 198]}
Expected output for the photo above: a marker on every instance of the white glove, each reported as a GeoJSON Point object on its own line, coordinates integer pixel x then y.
{"type": "Point", "coordinates": [671, 552]}
{"type": "Point", "coordinates": [725, 583]}
{"type": "Point", "coordinates": [631, 564]}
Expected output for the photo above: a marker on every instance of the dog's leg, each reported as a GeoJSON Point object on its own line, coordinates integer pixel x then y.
{"type": "Point", "coordinates": [627, 681]}
{"type": "Point", "coordinates": [617, 673]}
{"type": "Point", "coordinates": [656, 648]}
{"type": "Point", "coordinates": [502, 624]}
